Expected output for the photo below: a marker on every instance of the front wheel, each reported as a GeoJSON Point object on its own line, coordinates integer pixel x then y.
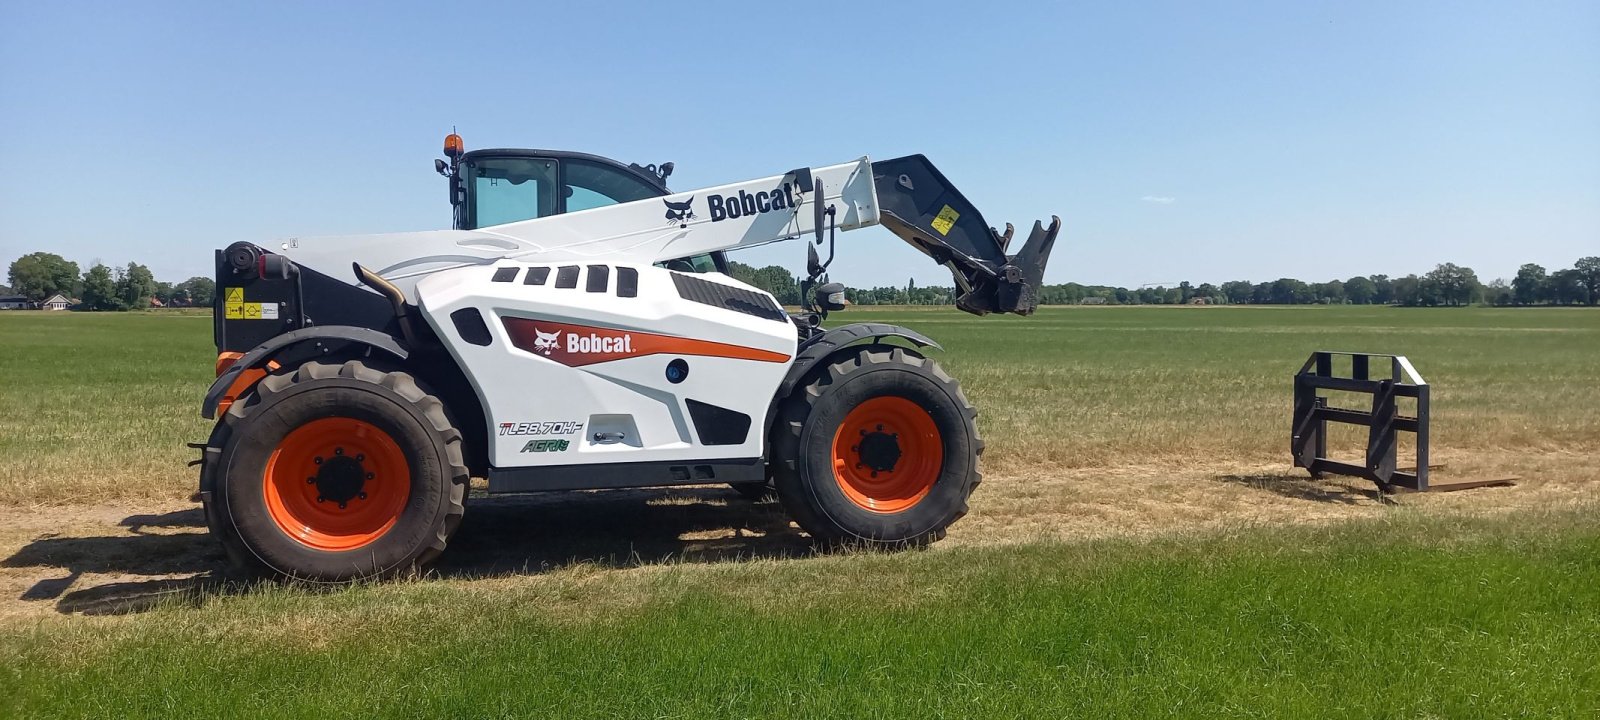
{"type": "Point", "coordinates": [335, 472]}
{"type": "Point", "coordinates": [880, 447]}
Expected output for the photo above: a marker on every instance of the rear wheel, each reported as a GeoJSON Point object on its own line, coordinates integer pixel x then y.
{"type": "Point", "coordinates": [880, 447]}
{"type": "Point", "coordinates": [335, 472]}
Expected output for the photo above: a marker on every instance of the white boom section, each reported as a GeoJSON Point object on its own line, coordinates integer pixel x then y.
{"type": "Point", "coordinates": [726, 217]}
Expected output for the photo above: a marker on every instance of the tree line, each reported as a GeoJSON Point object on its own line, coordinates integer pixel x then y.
{"type": "Point", "coordinates": [1446, 285]}
{"type": "Point", "coordinates": [37, 276]}
{"type": "Point", "coordinates": [40, 275]}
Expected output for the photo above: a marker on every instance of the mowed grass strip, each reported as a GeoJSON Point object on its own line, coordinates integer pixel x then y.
{"type": "Point", "coordinates": [97, 407]}
{"type": "Point", "coordinates": [1410, 616]}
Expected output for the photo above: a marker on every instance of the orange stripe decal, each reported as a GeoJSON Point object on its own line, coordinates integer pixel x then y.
{"type": "Point", "coordinates": [578, 345]}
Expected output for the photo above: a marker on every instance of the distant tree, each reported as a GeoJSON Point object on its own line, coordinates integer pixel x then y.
{"type": "Point", "coordinates": [1288, 291]}
{"type": "Point", "coordinates": [1237, 291]}
{"type": "Point", "coordinates": [1454, 284]}
{"type": "Point", "coordinates": [1331, 292]}
{"type": "Point", "coordinates": [1498, 292]}
{"type": "Point", "coordinates": [100, 289]}
{"type": "Point", "coordinates": [1383, 289]}
{"type": "Point", "coordinates": [1565, 287]}
{"type": "Point", "coordinates": [1408, 291]}
{"type": "Point", "coordinates": [135, 286]}
{"type": "Point", "coordinates": [1589, 276]}
{"type": "Point", "coordinates": [164, 291]}
{"type": "Point", "coordinates": [202, 290]}
{"type": "Point", "coordinates": [1360, 291]}
{"type": "Point", "coordinates": [1530, 284]}
{"type": "Point", "coordinates": [40, 275]}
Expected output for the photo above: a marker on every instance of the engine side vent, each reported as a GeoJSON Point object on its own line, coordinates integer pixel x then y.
{"type": "Point", "coordinates": [728, 297]}
{"type": "Point", "coordinates": [469, 323]}
{"type": "Point", "coordinates": [718, 425]}
{"type": "Point", "coordinates": [505, 274]}
{"type": "Point", "coordinates": [598, 279]}
{"type": "Point", "coordinates": [536, 276]}
{"type": "Point", "coordinates": [627, 282]}
{"type": "Point", "coordinates": [567, 276]}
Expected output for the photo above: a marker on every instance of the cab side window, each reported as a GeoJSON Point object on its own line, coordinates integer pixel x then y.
{"type": "Point", "coordinates": [591, 185]}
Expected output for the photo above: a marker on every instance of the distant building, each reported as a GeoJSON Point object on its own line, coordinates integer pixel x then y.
{"type": "Point", "coordinates": [16, 302]}
{"type": "Point", "coordinates": [56, 302]}
{"type": "Point", "coordinates": [1096, 300]}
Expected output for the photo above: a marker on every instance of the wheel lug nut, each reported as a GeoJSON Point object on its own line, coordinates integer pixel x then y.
{"type": "Point", "coordinates": [361, 496]}
{"type": "Point", "coordinates": [341, 506]}
{"type": "Point", "coordinates": [317, 460]}
{"type": "Point", "coordinates": [338, 451]}
{"type": "Point", "coordinates": [320, 498]}
{"type": "Point", "coordinates": [360, 457]}
{"type": "Point", "coordinates": [311, 480]}
{"type": "Point", "coordinates": [369, 476]}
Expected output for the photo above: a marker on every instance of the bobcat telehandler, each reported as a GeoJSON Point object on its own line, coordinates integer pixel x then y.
{"type": "Point", "coordinates": [576, 330]}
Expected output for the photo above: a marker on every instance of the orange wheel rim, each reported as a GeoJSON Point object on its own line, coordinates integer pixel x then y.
{"type": "Point", "coordinates": [337, 484]}
{"type": "Point", "coordinates": [887, 454]}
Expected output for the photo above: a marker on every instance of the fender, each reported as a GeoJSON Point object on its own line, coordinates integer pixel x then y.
{"type": "Point", "coordinates": [264, 353]}
{"type": "Point", "coordinates": [820, 347]}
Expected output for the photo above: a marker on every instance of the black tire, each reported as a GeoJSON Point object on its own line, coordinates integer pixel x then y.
{"type": "Point", "coordinates": [803, 448]}
{"type": "Point", "coordinates": [234, 479]}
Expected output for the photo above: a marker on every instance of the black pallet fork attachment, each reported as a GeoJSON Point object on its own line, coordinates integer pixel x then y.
{"type": "Point", "coordinates": [1384, 423]}
{"type": "Point", "coordinates": [923, 208]}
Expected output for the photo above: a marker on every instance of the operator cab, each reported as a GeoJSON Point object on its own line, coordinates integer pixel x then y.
{"type": "Point", "coordinates": [499, 186]}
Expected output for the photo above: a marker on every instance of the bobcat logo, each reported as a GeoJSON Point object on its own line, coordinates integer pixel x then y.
{"type": "Point", "coordinates": [546, 342]}
{"type": "Point", "coordinates": [679, 212]}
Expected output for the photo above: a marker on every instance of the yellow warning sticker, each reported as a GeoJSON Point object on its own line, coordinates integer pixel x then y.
{"type": "Point", "coordinates": [235, 308]}
{"type": "Point", "coordinates": [946, 220]}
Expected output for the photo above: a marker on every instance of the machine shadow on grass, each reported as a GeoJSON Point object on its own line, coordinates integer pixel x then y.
{"type": "Point", "coordinates": [1298, 486]}
{"type": "Point", "coordinates": [501, 535]}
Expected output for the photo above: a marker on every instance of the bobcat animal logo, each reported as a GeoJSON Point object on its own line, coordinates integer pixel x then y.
{"type": "Point", "coordinates": [679, 212]}
{"type": "Point", "coordinates": [546, 342]}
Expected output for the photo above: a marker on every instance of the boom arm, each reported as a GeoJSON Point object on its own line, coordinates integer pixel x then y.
{"type": "Point", "coordinates": [907, 195]}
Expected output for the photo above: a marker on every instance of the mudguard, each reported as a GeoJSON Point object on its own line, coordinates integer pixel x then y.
{"type": "Point", "coordinates": [261, 354]}
{"type": "Point", "coordinates": [820, 347]}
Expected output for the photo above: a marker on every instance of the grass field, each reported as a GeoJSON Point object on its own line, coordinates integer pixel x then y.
{"type": "Point", "coordinates": [99, 406]}
{"type": "Point", "coordinates": [1140, 547]}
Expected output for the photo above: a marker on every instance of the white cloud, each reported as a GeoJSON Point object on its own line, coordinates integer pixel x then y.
{"type": "Point", "coordinates": [1159, 199]}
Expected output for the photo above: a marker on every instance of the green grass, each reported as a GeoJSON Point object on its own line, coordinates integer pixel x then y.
{"type": "Point", "coordinates": [1099, 387]}
{"type": "Point", "coordinates": [1404, 617]}
{"type": "Point", "coordinates": [1412, 612]}
{"type": "Point", "coordinates": [98, 407]}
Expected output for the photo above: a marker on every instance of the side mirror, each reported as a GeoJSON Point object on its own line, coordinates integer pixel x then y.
{"type": "Point", "coordinates": [818, 212]}
{"type": "Point", "coordinates": [813, 263]}
{"type": "Point", "coordinates": [830, 297]}
{"type": "Point", "coordinates": [440, 167]}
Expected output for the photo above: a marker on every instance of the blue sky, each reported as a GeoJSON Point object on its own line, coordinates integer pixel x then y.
{"type": "Point", "coordinates": [1178, 141]}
